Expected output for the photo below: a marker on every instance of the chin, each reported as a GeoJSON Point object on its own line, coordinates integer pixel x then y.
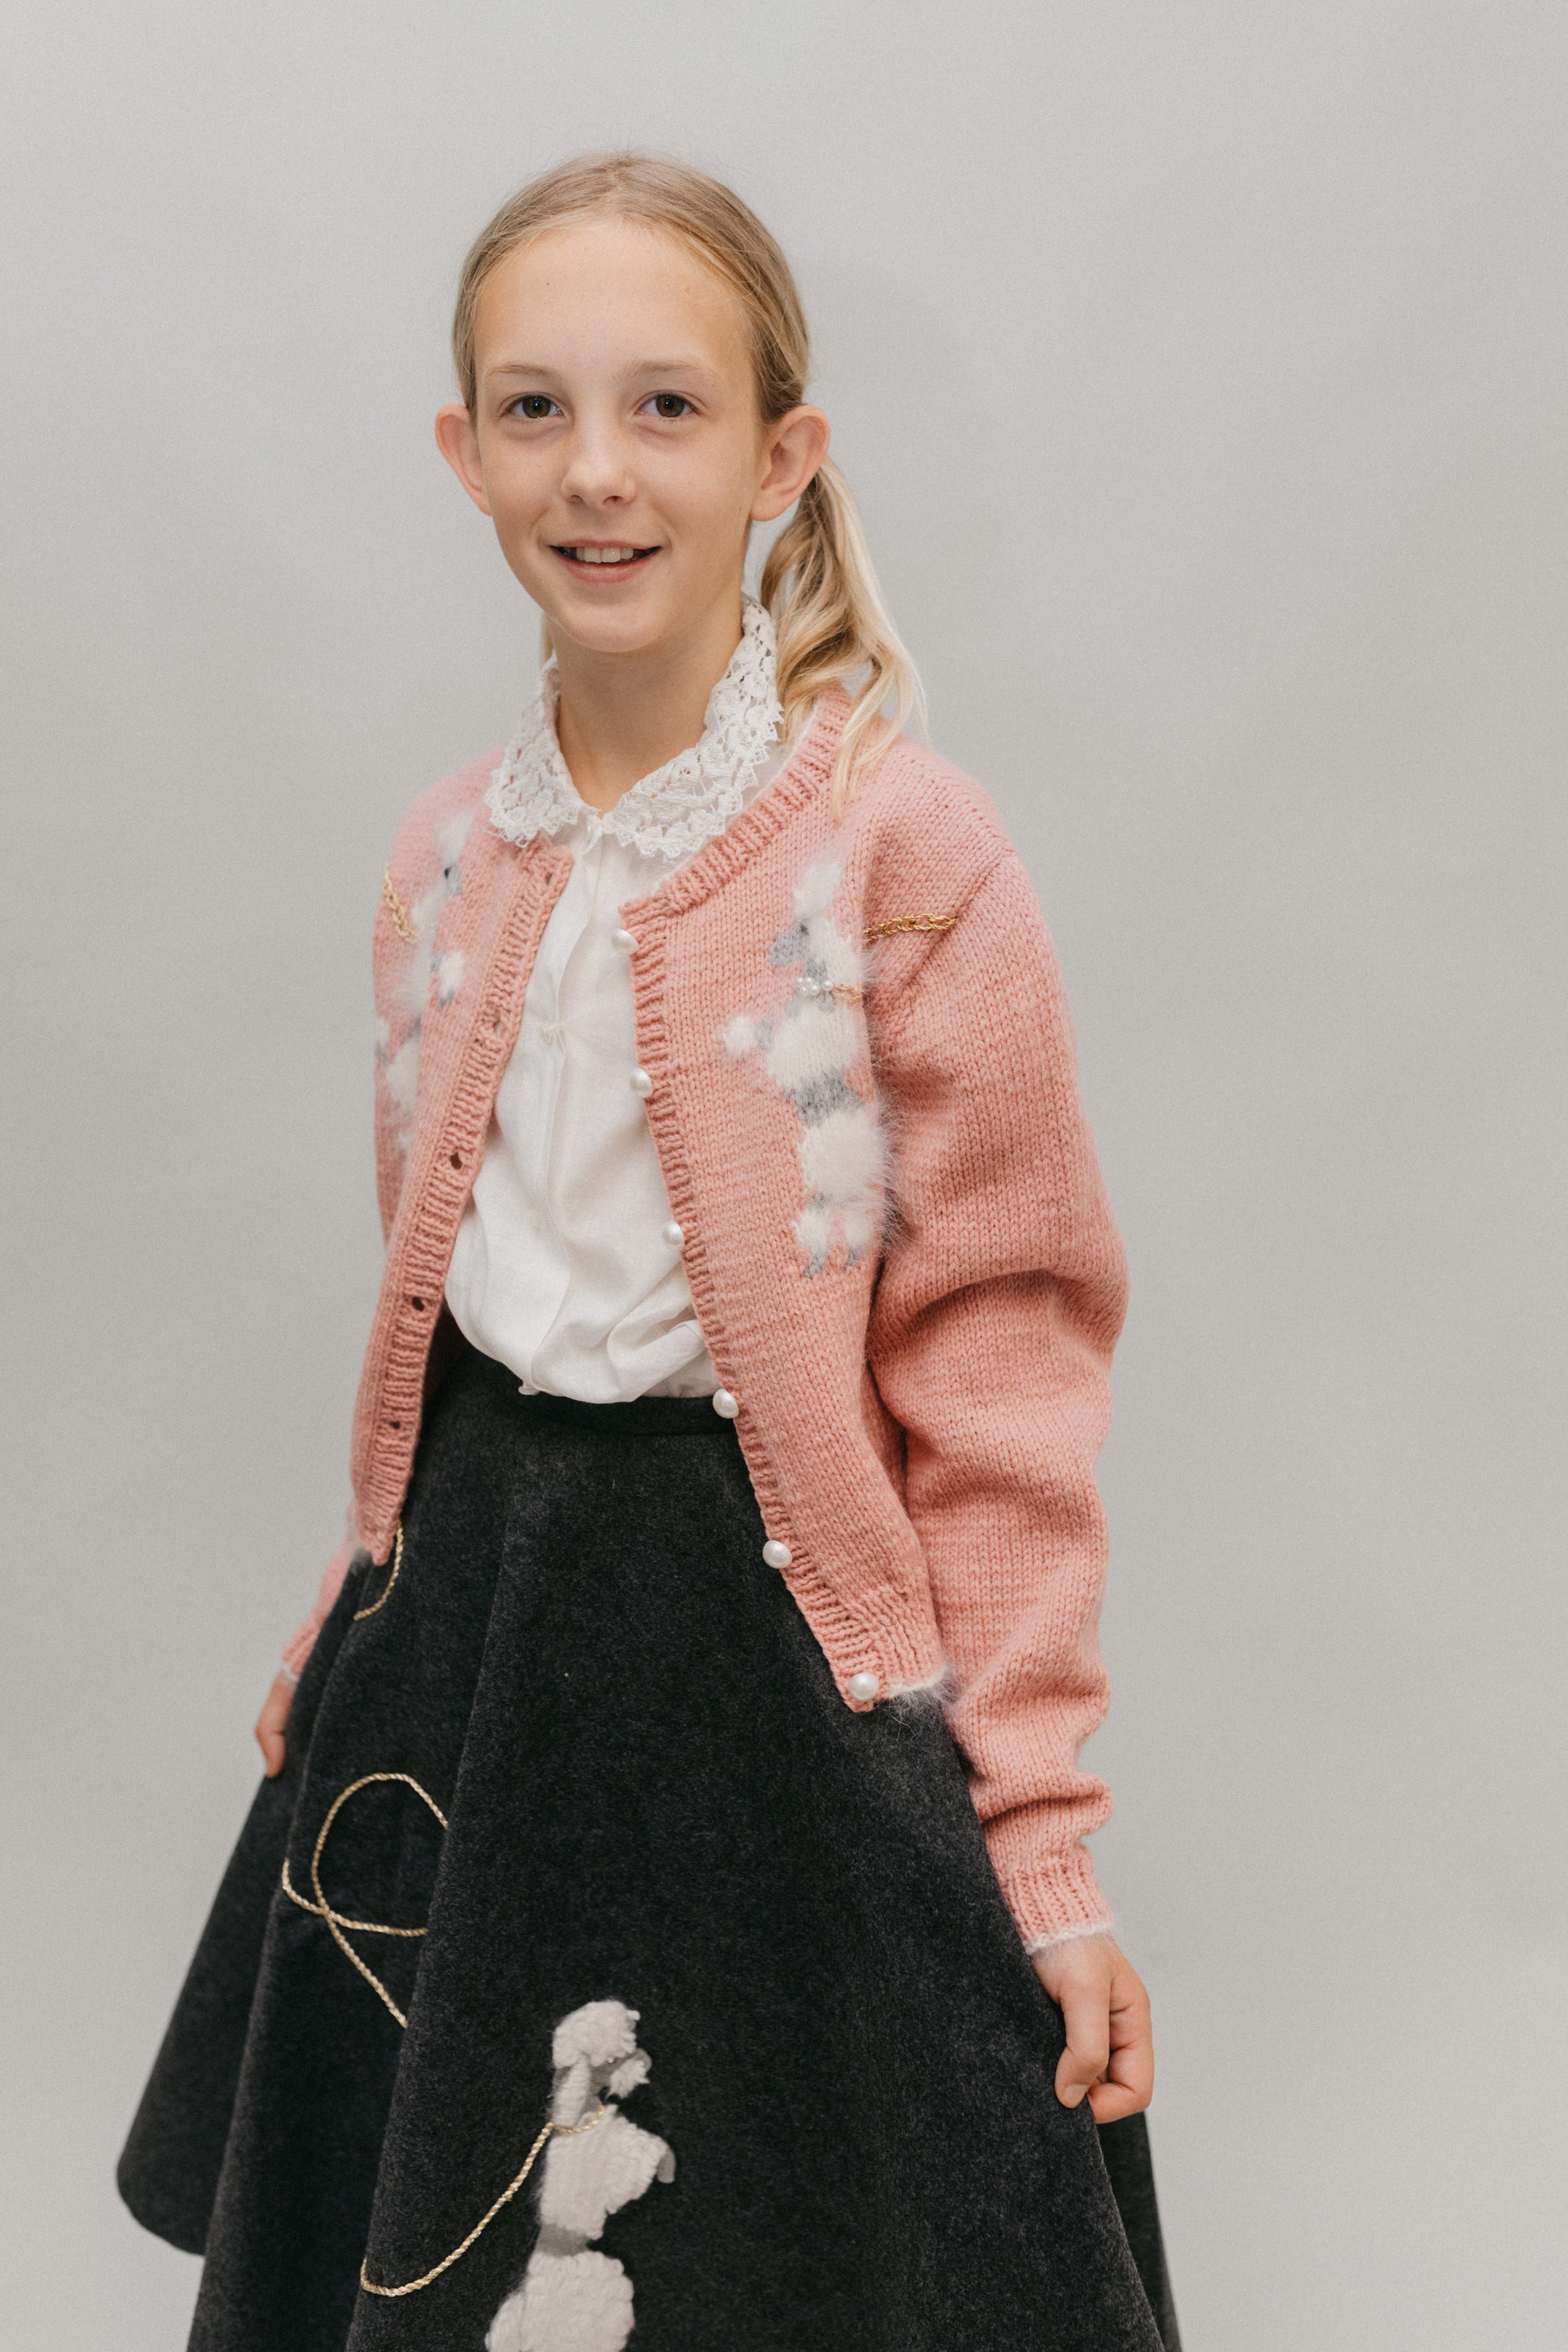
{"type": "Point", "coordinates": [634, 627]}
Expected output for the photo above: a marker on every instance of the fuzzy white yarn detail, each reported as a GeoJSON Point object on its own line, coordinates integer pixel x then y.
{"type": "Point", "coordinates": [567, 2303]}
{"type": "Point", "coordinates": [933, 1689]}
{"type": "Point", "coordinates": [572, 2299]}
{"type": "Point", "coordinates": [809, 1049]}
{"type": "Point", "coordinates": [1083, 1934]}
{"type": "Point", "coordinates": [674, 811]}
{"type": "Point", "coordinates": [423, 972]}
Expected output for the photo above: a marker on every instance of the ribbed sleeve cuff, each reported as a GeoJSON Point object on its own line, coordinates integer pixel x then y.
{"type": "Point", "coordinates": [1071, 1935]}
{"type": "Point", "coordinates": [1055, 1897]}
{"type": "Point", "coordinates": [302, 1640]}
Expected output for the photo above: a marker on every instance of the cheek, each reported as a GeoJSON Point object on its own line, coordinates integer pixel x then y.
{"type": "Point", "coordinates": [709, 497]}
{"type": "Point", "coordinates": [516, 486]}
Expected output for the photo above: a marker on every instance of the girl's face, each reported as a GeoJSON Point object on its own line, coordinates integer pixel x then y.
{"type": "Point", "coordinates": [615, 440]}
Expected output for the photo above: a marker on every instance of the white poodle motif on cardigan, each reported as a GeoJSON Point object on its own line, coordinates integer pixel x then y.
{"type": "Point", "coordinates": [810, 1050]}
{"type": "Point", "coordinates": [399, 1056]}
{"type": "Point", "coordinates": [572, 2299]}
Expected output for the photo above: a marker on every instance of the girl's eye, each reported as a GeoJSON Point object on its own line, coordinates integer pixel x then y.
{"type": "Point", "coordinates": [533, 404]}
{"type": "Point", "coordinates": [668, 405]}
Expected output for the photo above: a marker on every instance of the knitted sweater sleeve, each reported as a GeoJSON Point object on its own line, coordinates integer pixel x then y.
{"type": "Point", "coordinates": [302, 1640]}
{"type": "Point", "coordinates": [401, 969]}
{"type": "Point", "coordinates": [1001, 1296]}
{"type": "Point", "coordinates": [423, 872]}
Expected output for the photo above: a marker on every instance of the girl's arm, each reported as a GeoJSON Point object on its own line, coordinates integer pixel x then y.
{"type": "Point", "coordinates": [423, 862]}
{"type": "Point", "coordinates": [1002, 1292]}
{"type": "Point", "coordinates": [271, 1723]}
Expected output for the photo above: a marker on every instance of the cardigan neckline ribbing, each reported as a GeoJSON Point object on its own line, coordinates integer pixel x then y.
{"type": "Point", "coordinates": [675, 809]}
{"type": "Point", "coordinates": [805, 774]}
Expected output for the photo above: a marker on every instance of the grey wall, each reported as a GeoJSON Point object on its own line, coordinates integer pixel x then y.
{"type": "Point", "coordinates": [1201, 371]}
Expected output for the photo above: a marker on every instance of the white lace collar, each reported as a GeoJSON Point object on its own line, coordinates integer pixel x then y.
{"type": "Point", "coordinates": [680, 806]}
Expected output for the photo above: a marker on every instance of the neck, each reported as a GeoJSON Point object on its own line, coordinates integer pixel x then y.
{"type": "Point", "coordinates": [622, 715]}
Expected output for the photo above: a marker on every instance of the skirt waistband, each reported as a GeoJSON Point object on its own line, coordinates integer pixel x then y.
{"type": "Point", "coordinates": [644, 1416]}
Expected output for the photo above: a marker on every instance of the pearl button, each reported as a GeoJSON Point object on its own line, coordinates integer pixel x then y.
{"type": "Point", "coordinates": [642, 1084]}
{"type": "Point", "coordinates": [864, 1685]}
{"type": "Point", "coordinates": [776, 1554]}
{"type": "Point", "coordinates": [626, 939]}
{"type": "Point", "coordinates": [674, 1235]}
{"type": "Point", "coordinates": [724, 1405]}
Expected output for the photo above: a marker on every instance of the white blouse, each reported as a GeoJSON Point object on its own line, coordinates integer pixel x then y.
{"type": "Point", "coordinates": [567, 1265]}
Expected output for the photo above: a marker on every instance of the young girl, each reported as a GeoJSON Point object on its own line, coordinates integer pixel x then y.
{"type": "Point", "coordinates": [668, 1889]}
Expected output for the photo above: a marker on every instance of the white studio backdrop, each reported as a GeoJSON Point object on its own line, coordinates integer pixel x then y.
{"type": "Point", "coordinates": [1201, 371]}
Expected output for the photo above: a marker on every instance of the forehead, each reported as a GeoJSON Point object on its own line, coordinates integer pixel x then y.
{"type": "Point", "coordinates": [611, 293]}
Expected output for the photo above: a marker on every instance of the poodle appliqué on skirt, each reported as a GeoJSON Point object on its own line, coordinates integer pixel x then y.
{"type": "Point", "coordinates": [572, 2299]}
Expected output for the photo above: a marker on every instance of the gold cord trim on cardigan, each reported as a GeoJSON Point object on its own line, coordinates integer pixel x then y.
{"type": "Point", "coordinates": [386, 1595]}
{"type": "Point", "coordinates": [551, 2130]}
{"type": "Point", "coordinates": [910, 923]}
{"type": "Point", "coordinates": [400, 923]}
{"type": "Point", "coordinates": [336, 1923]}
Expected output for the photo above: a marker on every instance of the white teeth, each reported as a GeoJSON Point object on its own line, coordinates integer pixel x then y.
{"type": "Point", "coordinates": [603, 554]}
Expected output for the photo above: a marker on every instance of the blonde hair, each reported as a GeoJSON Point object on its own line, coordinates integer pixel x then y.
{"type": "Point", "coordinates": [818, 582]}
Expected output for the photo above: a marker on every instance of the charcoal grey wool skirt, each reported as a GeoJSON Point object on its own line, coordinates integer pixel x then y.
{"type": "Point", "coordinates": [592, 1975]}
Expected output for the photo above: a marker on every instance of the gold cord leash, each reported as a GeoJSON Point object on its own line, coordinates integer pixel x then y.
{"type": "Point", "coordinates": [336, 1920]}
{"type": "Point", "coordinates": [386, 1595]}
{"type": "Point", "coordinates": [552, 2129]}
{"type": "Point", "coordinates": [323, 1910]}
{"type": "Point", "coordinates": [338, 1923]}
{"type": "Point", "coordinates": [358, 1926]}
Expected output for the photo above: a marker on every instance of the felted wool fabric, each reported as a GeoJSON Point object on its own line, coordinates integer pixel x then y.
{"type": "Point", "coordinates": [655, 1797]}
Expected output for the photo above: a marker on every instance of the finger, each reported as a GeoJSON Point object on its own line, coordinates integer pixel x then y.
{"type": "Point", "coordinates": [1129, 2083]}
{"type": "Point", "coordinates": [1110, 2104]}
{"type": "Point", "coordinates": [271, 1741]}
{"type": "Point", "coordinates": [270, 1723]}
{"type": "Point", "coordinates": [1086, 2013]}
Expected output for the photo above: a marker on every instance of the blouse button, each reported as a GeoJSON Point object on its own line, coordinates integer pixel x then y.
{"type": "Point", "coordinates": [864, 1685]}
{"type": "Point", "coordinates": [776, 1554]}
{"type": "Point", "coordinates": [626, 939]}
{"type": "Point", "coordinates": [674, 1235]}
{"type": "Point", "coordinates": [725, 1406]}
{"type": "Point", "coordinates": [642, 1084]}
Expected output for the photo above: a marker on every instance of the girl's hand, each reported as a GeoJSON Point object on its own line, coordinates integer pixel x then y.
{"type": "Point", "coordinates": [1110, 2042]}
{"type": "Point", "coordinates": [269, 1724]}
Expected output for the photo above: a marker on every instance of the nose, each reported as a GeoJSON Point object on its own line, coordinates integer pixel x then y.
{"type": "Point", "coordinates": [597, 472]}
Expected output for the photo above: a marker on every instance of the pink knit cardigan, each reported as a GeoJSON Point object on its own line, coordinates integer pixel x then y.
{"type": "Point", "coordinates": [919, 1411]}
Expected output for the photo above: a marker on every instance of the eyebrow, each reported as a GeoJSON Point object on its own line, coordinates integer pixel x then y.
{"type": "Point", "coordinates": [686, 366]}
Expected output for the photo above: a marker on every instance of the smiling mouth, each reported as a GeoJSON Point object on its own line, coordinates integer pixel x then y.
{"type": "Point", "coordinates": [619, 557]}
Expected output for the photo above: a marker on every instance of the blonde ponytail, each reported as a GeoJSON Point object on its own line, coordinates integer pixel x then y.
{"type": "Point", "coordinates": [818, 583]}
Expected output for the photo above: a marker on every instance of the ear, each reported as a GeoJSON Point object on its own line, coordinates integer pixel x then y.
{"type": "Point", "coordinates": [459, 445]}
{"type": "Point", "coordinates": [574, 2089]}
{"type": "Point", "coordinates": [795, 446]}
